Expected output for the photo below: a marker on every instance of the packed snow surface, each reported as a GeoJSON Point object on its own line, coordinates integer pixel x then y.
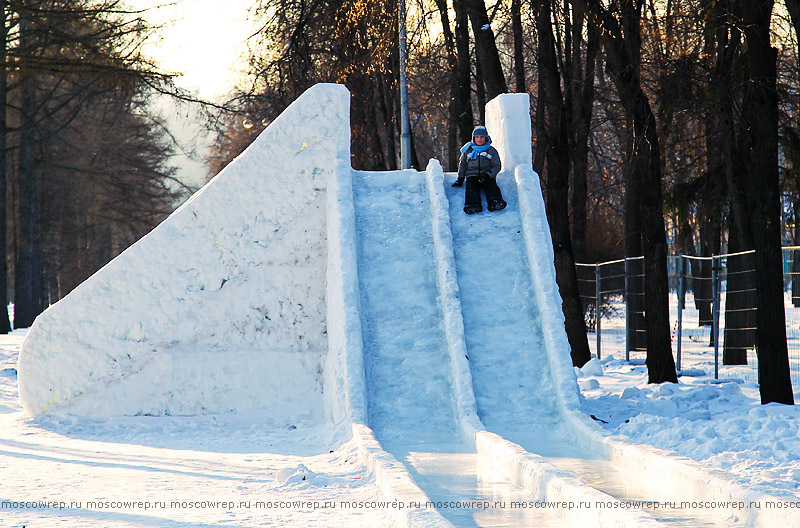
{"type": "Point", "coordinates": [221, 307]}
{"type": "Point", "coordinates": [507, 356]}
{"type": "Point", "coordinates": [721, 424]}
{"type": "Point", "coordinates": [405, 353]}
{"type": "Point", "coordinates": [257, 468]}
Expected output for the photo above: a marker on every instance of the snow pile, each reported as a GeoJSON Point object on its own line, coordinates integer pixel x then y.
{"type": "Point", "coordinates": [301, 476]}
{"type": "Point", "coordinates": [221, 307]}
{"type": "Point", "coordinates": [723, 425]}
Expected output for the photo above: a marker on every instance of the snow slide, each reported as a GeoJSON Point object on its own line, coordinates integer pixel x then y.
{"type": "Point", "coordinates": [410, 384]}
{"type": "Point", "coordinates": [292, 281]}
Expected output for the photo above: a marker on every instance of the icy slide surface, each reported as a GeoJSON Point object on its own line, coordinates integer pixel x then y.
{"type": "Point", "coordinates": [507, 355]}
{"type": "Point", "coordinates": [408, 373]}
{"type": "Point", "coordinates": [405, 354]}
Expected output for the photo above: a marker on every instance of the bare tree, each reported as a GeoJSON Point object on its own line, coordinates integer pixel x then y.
{"type": "Point", "coordinates": [61, 58]}
{"type": "Point", "coordinates": [558, 156]}
{"type": "Point", "coordinates": [758, 189]}
{"type": "Point", "coordinates": [491, 69]}
{"type": "Point", "coordinates": [646, 170]}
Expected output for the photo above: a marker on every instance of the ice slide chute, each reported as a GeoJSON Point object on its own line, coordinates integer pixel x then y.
{"type": "Point", "coordinates": [419, 389]}
{"type": "Point", "coordinates": [409, 380]}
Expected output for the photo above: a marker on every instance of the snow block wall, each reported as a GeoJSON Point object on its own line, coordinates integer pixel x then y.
{"type": "Point", "coordinates": [222, 306]}
{"type": "Point", "coordinates": [508, 120]}
{"type": "Point", "coordinates": [509, 123]}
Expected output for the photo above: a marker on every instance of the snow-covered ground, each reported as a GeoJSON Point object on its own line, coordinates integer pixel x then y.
{"type": "Point", "coordinates": [718, 422]}
{"type": "Point", "coordinates": [258, 468]}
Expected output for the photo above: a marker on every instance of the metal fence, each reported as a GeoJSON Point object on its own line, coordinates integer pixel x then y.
{"type": "Point", "coordinates": [712, 312]}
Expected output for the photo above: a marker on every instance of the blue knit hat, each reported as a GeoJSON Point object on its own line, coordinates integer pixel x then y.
{"type": "Point", "coordinates": [480, 130]}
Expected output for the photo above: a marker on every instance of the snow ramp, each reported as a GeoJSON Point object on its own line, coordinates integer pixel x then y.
{"type": "Point", "coordinates": [222, 306]}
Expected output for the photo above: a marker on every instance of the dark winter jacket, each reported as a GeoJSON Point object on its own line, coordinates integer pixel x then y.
{"type": "Point", "coordinates": [486, 164]}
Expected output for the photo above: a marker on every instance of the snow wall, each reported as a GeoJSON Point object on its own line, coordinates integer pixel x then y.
{"type": "Point", "coordinates": [222, 306]}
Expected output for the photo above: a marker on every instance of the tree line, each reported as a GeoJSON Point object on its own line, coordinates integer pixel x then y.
{"type": "Point", "coordinates": [650, 117]}
{"type": "Point", "coordinates": [84, 160]}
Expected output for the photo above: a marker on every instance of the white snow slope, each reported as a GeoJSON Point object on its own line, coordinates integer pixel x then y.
{"type": "Point", "coordinates": [233, 278]}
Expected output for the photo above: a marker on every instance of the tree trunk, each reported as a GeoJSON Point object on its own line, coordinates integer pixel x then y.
{"type": "Point", "coordinates": [709, 246]}
{"type": "Point", "coordinates": [684, 244]}
{"type": "Point", "coordinates": [660, 363]}
{"type": "Point", "coordinates": [631, 41]}
{"type": "Point", "coordinates": [634, 284]}
{"type": "Point", "coordinates": [739, 303]}
{"type": "Point", "coordinates": [374, 120]}
{"type": "Point", "coordinates": [455, 107]}
{"type": "Point", "coordinates": [486, 48]}
{"type": "Point", "coordinates": [646, 167]}
{"type": "Point", "coordinates": [583, 103]}
{"type": "Point", "coordinates": [5, 326]}
{"type": "Point", "coordinates": [722, 50]}
{"type": "Point", "coordinates": [480, 92]}
{"type": "Point", "coordinates": [558, 190]}
{"type": "Point", "coordinates": [796, 255]}
{"type": "Point", "coordinates": [28, 266]}
{"type": "Point", "coordinates": [759, 132]}
{"type": "Point", "coordinates": [519, 59]}
{"type": "Point", "coordinates": [541, 135]}
{"type": "Point", "coordinates": [465, 118]}
{"type": "Point", "coordinates": [384, 103]}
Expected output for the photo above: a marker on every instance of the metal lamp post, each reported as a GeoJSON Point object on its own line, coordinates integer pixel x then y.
{"type": "Point", "coordinates": [405, 124]}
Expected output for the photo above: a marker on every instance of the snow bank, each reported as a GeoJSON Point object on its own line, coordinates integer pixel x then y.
{"type": "Point", "coordinates": [722, 425]}
{"type": "Point", "coordinates": [221, 307]}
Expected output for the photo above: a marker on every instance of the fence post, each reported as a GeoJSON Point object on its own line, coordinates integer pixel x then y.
{"type": "Point", "coordinates": [597, 304]}
{"type": "Point", "coordinates": [627, 311]}
{"type": "Point", "coordinates": [715, 275]}
{"type": "Point", "coordinates": [681, 293]}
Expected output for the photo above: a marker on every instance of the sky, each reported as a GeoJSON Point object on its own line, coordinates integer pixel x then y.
{"type": "Point", "coordinates": [201, 39]}
{"type": "Point", "coordinates": [205, 41]}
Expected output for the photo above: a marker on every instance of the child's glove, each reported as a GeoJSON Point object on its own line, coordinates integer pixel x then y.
{"type": "Point", "coordinates": [458, 183]}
